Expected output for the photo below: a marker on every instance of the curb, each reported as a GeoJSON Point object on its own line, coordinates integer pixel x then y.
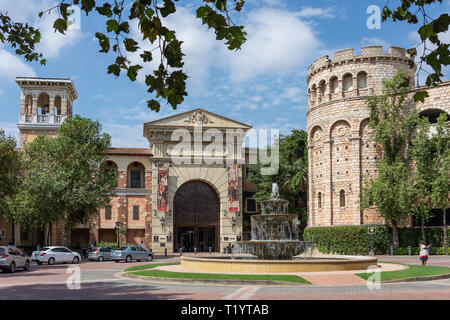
{"type": "Point", "coordinates": [210, 281]}
{"type": "Point", "coordinates": [423, 278]}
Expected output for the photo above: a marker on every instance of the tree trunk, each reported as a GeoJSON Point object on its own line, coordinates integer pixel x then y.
{"type": "Point", "coordinates": [424, 238]}
{"type": "Point", "coordinates": [444, 222]}
{"type": "Point", "coordinates": [46, 235]}
{"type": "Point", "coordinates": [395, 233]}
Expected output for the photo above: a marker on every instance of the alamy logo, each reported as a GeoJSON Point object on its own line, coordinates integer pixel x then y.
{"type": "Point", "coordinates": [74, 280]}
{"type": "Point", "coordinates": [374, 20]}
{"type": "Point", "coordinates": [374, 280]}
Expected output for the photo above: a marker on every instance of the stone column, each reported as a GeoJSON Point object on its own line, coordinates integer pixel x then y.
{"type": "Point", "coordinates": [355, 85]}
{"type": "Point", "coordinates": [34, 110]}
{"type": "Point", "coordinates": [327, 172]}
{"type": "Point", "coordinates": [328, 91]}
{"type": "Point", "coordinates": [355, 140]}
{"type": "Point", "coordinates": [340, 87]}
{"type": "Point", "coordinates": [52, 109]}
{"type": "Point", "coordinates": [310, 206]}
{"type": "Point", "coordinates": [64, 107]}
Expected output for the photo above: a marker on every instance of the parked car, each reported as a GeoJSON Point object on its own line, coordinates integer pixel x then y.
{"type": "Point", "coordinates": [131, 253]}
{"type": "Point", "coordinates": [54, 254]}
{"type": "Point", "coordinates": [12, 257]}
{"type": "Point", "coordinates": [100, 254]}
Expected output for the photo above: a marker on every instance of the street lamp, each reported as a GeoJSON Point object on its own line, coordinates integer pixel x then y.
{"type": "Point", "coordinates": [233, 222]}
{"type": "Point", "coordinates": [117, 230]}
{"type": "Point", "coordinates": [163, 221]}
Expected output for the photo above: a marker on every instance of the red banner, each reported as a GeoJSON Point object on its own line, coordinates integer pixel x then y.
{"type": "Point", "coordinates": [233, 188]}
{"type": "Point", "coordinates": [163, 186]}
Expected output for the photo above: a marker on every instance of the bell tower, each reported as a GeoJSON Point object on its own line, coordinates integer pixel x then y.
{"type": "Point", "coordinates": [44, 104]}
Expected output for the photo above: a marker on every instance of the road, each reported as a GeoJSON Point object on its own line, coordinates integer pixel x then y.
{"type": "Point", "coordinates": [100, 281]}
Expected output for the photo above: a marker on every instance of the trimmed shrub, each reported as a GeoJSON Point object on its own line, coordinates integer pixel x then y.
{"type": "Point", "coordinates": [350, 240]}
{"type": "Point", "coordinates": [411, 236]}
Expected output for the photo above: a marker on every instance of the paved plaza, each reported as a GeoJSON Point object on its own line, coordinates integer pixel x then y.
{"type": "Point", "coordinates": [102, 281]}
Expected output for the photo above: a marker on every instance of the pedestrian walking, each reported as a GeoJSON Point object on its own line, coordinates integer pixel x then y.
{"type": "Point", "coordinates": [38, 247]}
{"type": "Point", "coordinates": [143, 245]}
{"type": "Point", "coordinates": [424, 252]}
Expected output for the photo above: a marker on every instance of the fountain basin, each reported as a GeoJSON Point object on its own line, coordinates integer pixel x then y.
{"type": "Point", "coordinates": [299, 264]}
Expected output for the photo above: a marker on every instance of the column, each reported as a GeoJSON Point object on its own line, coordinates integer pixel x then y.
{"type": "Point", "coordinates": [310, 205]}
{"type": "Point", "coordinates": [329, 193]}
{"type": "Point", "coordinates": [355, 140]}
{"type": "Point", "coordinates": [355, 85]}
{"type": "Point", "coordinates": [328, 91]}
{"type": "Point", "coordinates": [52, 109]}
{"type": "Point", "coordinates": [34, 110]}
{"type": "Point", "coordinates": [340, 88]}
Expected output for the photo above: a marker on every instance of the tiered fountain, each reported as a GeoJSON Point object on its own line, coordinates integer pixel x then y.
{"type": "Point", "coordinates": [274, 248]}
{"type": "Point", "coordinates": [274, 233]}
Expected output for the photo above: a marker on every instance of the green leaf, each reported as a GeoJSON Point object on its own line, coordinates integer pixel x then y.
{"type": "Point", "coordinates": [131, 45]}
{"type": "Point", "coordinates": [420, 96]}
{"type": "Point", "coordinates": [114, 69]}
{"type": "Point", "coordinates": [103, 42]}
{"type": "Point", "coordinates": [133, 71]}
{"type": "Point", "coordinates": [60, 25]}
{"type": "Point", "coordinates": [113, 25]}
{"type": "Point", "coordinates": [146, 56]}
{"type": "Point", "coordinates": [105, 10]}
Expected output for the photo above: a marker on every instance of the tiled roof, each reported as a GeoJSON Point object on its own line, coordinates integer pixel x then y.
{"type": "Point", "coordinates": [130, 151]}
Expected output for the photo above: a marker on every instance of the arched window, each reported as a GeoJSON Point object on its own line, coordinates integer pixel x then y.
{"type": "Point", "coordinates": [348, 82]}
{"type": "Point", "coordinates": [43, 103]}
{"type": "Point", "coordinates": [334, 84]}
{"type": "Point", "coordinates": [319, 200]}
{"type": "Point", "coordinates": [28, 104]}
{"type": "Point", "coordinates": [136, 173]}
{"type": "Point", "coordinates": [57, 110]}
{"type": "Point", "coordinates": [342, 198]}
{"type": "Point", "coordinates": [321, 88]}
{"type": "Point", "coordinates": [111, 166]}
{"type": "Point", "coordinates": [362, 80]}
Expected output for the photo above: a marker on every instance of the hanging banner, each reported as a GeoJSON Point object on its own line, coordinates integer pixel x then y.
{"type": "Point", "coordinates": [163, 186]}
{"type": "Point", "coordinates": [233, 188]}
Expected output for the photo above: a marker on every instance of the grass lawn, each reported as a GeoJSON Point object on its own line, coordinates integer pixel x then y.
{"type": "Point", "coordinates": [412, 272]}
{"type": "Point", "coordinates": [211, 276]}
{"type": "Point", "coordinates": [149, 266]}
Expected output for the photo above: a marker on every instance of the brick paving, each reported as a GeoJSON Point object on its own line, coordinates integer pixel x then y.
{"type": "Point", "coordinates": [98, 282]}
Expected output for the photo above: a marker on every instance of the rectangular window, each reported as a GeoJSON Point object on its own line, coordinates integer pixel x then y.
{"type": "Point", "coordinates": [135, 212]}
{"type": "Point", "coordinates": [108, 212]}
{"type": "Point", "coordinates": [135, 179]}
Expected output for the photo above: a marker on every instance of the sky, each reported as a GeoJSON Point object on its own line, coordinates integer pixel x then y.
{"type": "Point", "coordinates": [263, 85]}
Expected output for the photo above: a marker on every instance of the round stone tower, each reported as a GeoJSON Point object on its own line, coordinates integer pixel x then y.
{"type": "Point", "coordinates": [341, 152]}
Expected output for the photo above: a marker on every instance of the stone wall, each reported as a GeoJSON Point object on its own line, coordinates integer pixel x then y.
{"type": "Point", "coordinates": [341, 153]}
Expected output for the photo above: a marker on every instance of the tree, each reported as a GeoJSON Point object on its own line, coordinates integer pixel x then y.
{"type": "Point", "coordinates": [423, 154]}
{"type": "Point", "coordinates": [168, 81]}
{"type": "Point", "coordinates": [393, 120]}
{"type": "Point", "coordinates": [64, 179]}
{"type": "Point", "coordinates": [292, 174]}
{"type": "Point", "coordinates": [414, 12]}
{"type": "Point", "coordinates": [441, 183]}
{"type": "Point", "coordinates": [10, 171]}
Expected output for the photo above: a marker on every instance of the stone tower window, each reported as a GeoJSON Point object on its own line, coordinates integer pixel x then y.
{"type": "Point", "coordinates": [319, 200]}
{"type": "Point", "coordinates": [136, 175]}
{"type": "Point", "coordinates": [362, 80]}
{"type": "Point", "coordinates": [348, 82]}
{"type": "Point", "coordinates": [334, 84]}
{"type": "Point", "coordinates": [321, 88]}
{"type": "Point", "coordinates": [342, 198]}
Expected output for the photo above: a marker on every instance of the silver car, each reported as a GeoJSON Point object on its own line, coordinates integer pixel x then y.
{"type": "Point", "coordinates": [100, 254]}
{"type": "Point", "coordinates": [52, 255]}
{"type": "Point", "coordinates": [131, 253]}
{"type": "Point", "coordinates": [12, 257]}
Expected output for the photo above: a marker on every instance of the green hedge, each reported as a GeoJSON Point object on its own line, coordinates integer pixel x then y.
{"type": "Point", "coordinates": [350, 240]}
{"type": "Point", "coordinates": [356, 240]}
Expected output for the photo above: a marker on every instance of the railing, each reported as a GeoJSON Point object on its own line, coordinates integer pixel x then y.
{"type": "Point", "coordinates": [37, 118]}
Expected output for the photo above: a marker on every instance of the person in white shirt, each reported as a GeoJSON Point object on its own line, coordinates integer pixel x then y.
{"type": "Point", "coordinates": [424, 252]}
{"type": "Point", "coordinates": [143, 245]}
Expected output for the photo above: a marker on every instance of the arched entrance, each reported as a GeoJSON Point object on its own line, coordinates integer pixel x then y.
{"type": "Point", "coordinates": [196, 217]}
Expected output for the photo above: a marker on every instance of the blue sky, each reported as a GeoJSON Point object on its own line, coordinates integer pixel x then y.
{"type": "Point", "coordinates": [263, 85]}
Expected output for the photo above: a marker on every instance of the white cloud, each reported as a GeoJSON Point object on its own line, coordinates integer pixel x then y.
{"type": "Point", "coordinates": [51, 42]}
{"type": "Point", "coordinates": [308, 12]}
{"type": "Point", "coordinates": [275, 45]}
{"type": "Point", "coordinates": [12, 66]}
{"type": "Point", "coordinates": [294, 94]}
{"type": "Point", "coordinates": [126, 136]}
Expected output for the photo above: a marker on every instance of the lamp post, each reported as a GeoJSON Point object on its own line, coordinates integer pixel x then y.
{"type": "Point", "coordinates": [117, 230]}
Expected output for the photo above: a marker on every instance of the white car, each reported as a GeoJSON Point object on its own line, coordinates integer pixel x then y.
{"type": "Point", "coordinates": [52, 255]}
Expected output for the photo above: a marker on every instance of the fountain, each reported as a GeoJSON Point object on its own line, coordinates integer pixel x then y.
{"type": "Point", "coordinates": [274, 233]}
{"type": "Point", "coordinates": [275, 247]}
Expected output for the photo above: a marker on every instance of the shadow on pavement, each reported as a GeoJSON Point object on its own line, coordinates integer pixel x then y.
{"type": "Point", "coordinates": [91, 291]}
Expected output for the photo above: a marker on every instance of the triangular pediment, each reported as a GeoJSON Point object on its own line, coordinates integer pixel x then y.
{"type": "Point", "coordinates": [196, 117]}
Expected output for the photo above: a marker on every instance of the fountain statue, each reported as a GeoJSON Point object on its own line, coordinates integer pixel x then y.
{"type": "Point", "coordinates": [274, 233]}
